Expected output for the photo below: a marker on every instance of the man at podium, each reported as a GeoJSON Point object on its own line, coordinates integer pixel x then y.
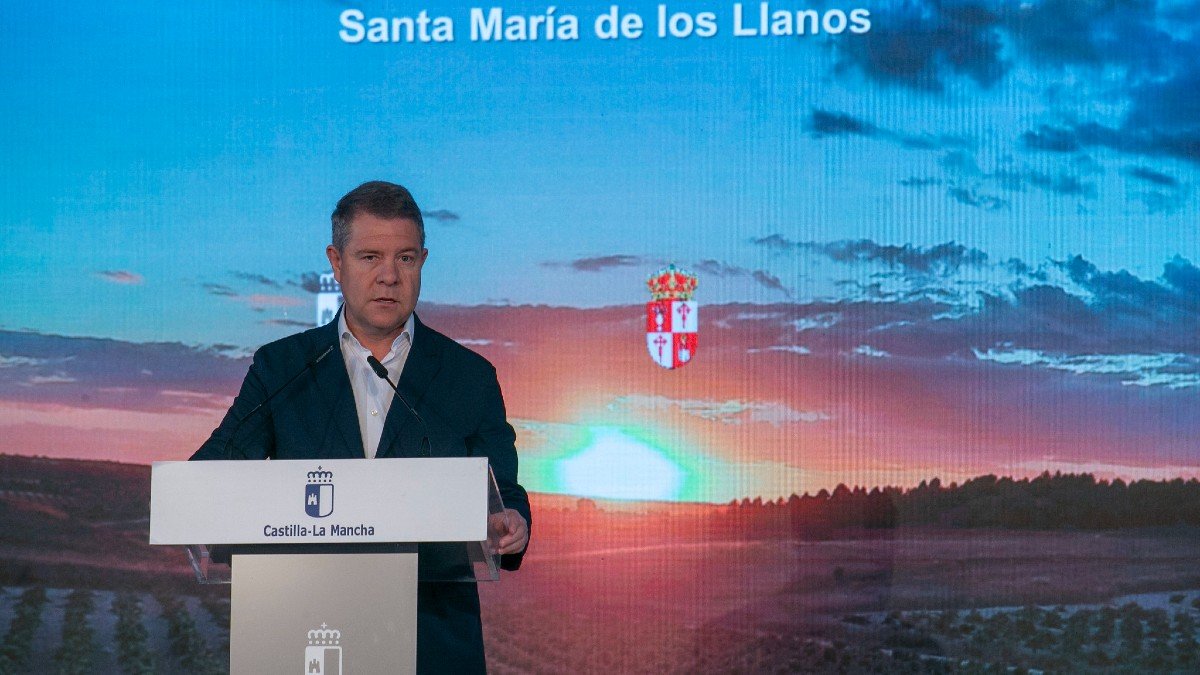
{"type": "Point", "coordinates": [327, 393]}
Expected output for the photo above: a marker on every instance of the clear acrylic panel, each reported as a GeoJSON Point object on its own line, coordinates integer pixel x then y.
{"type": "Point", "coordinates": [206, 570]}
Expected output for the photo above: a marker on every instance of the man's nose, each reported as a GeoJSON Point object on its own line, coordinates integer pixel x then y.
{"type": "Point", "coordinates": [389, 273]}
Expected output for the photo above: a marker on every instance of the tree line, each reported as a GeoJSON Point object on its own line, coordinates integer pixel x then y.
{"type": "Point", "coordinates": [1047, 502]}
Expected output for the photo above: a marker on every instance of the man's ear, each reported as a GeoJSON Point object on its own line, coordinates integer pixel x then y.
{"type": "Point", "coordinates": [335, 261]}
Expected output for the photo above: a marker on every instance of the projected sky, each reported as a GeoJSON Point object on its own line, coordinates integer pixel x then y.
{"type": "Point", "coordinates": [961, 242]}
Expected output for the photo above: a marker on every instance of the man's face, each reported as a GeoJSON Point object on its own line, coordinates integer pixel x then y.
{"type": "Point", "coordinates": [380, 273]}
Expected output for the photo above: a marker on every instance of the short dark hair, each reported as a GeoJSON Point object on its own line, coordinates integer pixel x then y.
{"type": "Point", "coordinates": [380, 199]}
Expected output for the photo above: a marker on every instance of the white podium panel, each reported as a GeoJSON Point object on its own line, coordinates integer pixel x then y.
{"type": "Point", "coordinates": [319, 501]}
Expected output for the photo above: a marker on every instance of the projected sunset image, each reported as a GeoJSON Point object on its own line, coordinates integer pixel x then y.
{"type": "Point", "coordinates": [940, 404]}
{"type": "Point", "coordinates": [782, 398]}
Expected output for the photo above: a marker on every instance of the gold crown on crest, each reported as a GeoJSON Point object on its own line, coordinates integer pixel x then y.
{"type": "Point", "coordinates": [672, 283]}
{"type": "Point", "coordinates": [324, 636]}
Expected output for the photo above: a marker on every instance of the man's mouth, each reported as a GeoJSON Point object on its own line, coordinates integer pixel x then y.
{"type": "Point", "coordinates": [388, 300]}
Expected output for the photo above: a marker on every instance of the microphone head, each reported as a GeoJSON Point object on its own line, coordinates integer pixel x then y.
{"type": "Point", "coordinates": [377, 367]}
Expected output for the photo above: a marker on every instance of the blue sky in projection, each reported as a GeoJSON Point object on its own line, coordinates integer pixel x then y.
{"type": "Point", "coordinates": [181, 161]}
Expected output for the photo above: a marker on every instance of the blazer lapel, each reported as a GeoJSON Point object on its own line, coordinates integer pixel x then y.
{"type": "Point", "coordinates": [423, 363]}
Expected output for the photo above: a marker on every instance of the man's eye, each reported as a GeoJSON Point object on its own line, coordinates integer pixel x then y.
{"type": "Point", "coordinates": [407, 258]}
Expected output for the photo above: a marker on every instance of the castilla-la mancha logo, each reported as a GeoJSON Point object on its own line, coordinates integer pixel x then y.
{"type": "Point", "coordinates": [318, 494]}
{"type": "Point", "coordinates": [323, 655]}
{"type": "Point", "coordinates": [672, 317]}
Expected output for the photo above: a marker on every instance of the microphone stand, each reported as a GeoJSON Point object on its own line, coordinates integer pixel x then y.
{"type": "Point", "coordinates": [383, 375]}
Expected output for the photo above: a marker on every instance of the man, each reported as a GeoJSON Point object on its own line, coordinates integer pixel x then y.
{"type": "Point", "coordinates": [339, 408]}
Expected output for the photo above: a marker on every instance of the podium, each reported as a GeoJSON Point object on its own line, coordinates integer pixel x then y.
{"type": "Point", "coordinates": [325, 555]}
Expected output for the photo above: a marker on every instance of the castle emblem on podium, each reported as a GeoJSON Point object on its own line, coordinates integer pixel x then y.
{"type": "Point", "coordinates": [323, 655]}
{"type": "Point", "coordinates": [318, 494]}
{"type": "Point", "coordinates": [672, 317]}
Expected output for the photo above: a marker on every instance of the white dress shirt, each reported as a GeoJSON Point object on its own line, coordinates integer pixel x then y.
{"type": "Point", "coordinates": [373, 396]}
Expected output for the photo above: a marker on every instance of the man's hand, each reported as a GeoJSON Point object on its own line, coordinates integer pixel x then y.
{"type": "Point", "coordinates": [514, 533]}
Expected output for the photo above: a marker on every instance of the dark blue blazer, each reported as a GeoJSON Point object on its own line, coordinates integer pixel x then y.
{"type": "Point", "coordinates": [456, 393]}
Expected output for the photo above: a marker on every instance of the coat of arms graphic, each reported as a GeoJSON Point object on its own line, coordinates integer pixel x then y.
{"type": "Point", "coordinates": [323, 655]}
{"type": "Point", "coordinates": [318, 494]}
{"type": "Point", "coordinates": [672, 317]}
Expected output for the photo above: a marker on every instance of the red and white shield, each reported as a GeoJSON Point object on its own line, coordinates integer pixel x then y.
{"type": "Point", "coordinates": [671, 331]}
{"type": "Point", "coordinates": [672, 318]}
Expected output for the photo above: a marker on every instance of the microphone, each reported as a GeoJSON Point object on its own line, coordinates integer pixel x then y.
{"type": "Point", "coordinates": [383, 375]}
{"type": "Point", "coordinates": [307, 366]}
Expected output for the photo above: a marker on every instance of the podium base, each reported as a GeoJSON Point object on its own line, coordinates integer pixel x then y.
{"type": "Point", "coordinates": [330, 613]}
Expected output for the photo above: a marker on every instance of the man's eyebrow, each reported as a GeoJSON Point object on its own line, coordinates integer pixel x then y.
{"type": "Point", "coordinates": [375, 251]}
